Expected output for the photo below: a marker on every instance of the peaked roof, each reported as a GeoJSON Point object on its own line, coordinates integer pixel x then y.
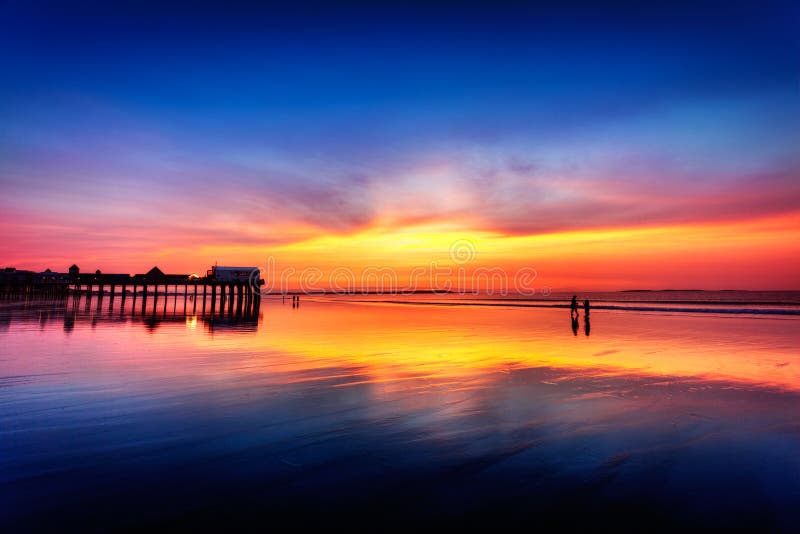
{"type": "Point", "coordinates": [73, 266]}
{"type": "Point", "coordinates": [155, 271]}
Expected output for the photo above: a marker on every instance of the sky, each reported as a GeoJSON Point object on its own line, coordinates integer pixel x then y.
{"type": "Point", "coordinates": [616, 146]}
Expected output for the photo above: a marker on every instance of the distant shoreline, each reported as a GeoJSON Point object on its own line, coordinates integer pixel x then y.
{"type": "Point", "coordinates": [726, 311]}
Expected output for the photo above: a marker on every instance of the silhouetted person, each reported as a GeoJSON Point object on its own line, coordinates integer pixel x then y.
{"type": "Point", "coordinates": [586, 307]}
{"type": "Point", "coordinates": [574, 319]}
{"type": "Point", "coordinates": [574, 309]}
{"type": "Point", "coordinates": [587, 326]}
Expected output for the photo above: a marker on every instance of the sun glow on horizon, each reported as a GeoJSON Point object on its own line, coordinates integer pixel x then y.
{"type": "Point", "coordinates": [759, 253]}
{"type": "Point", "coordinates": [707, 256]}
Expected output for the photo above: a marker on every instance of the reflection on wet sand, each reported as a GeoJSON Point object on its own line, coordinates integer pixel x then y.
{"type": "Point", "coordinates": [362, 412]}
{"type": "Point", "coordinates": [392, 342]}
{"type": "Point", "coordinates": [241, 314]}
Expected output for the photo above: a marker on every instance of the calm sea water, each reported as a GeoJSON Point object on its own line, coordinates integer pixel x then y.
{"type": "Point", "coordinates": [385, 412]}
{"type": "Point", "coordinates": [673, 301]}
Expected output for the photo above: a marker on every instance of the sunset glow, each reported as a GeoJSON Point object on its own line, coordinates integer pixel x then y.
{"type": "Point", "coordinates": [675, 164]}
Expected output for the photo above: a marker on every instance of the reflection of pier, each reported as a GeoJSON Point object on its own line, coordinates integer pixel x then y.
{"type": "Point", "coordinates": [232, 312]}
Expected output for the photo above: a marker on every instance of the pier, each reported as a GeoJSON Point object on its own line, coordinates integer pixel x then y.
{"type": "Point", "coordinates": [237, 290]}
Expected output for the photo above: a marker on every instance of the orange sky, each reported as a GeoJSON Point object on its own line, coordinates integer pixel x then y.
{"type": "Point", "coordinates": [762, 253]}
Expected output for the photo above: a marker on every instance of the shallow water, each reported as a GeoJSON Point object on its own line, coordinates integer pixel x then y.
{"type": "Point", "coordinates": [379, 414]}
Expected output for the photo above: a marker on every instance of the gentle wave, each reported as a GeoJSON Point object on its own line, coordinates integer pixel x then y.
{"type": "Point", "coordinates": [670, 309]}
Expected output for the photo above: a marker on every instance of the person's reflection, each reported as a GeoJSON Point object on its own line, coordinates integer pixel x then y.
{"type": "Point", "coordinates": [574, 319]}
{"type": "Point", "coordinates": [587, 325]}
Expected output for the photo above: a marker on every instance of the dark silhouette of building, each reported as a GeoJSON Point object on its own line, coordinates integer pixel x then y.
{"type": "Point", "coordinates": [155, 272]}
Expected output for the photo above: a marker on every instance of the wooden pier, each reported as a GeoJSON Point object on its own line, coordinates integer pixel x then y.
{"type": "Point", "coordinates": [152, 286]}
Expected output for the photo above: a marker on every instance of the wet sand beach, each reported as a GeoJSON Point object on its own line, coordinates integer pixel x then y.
{"type": "Point", "coordinates": [378, 415]}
